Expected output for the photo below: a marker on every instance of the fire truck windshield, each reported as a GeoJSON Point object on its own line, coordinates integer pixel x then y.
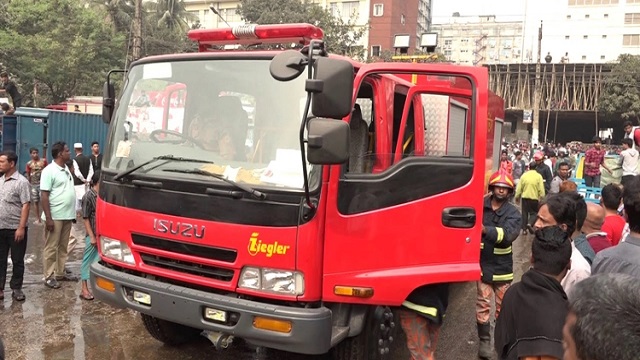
{"type": "Point", "coordinates": [230, 114]}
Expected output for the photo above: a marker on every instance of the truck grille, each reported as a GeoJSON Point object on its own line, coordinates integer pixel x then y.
{"type": "Point", "coordinates": [188, 267]}
{"type": "Point", "coordinates": [208, 252]}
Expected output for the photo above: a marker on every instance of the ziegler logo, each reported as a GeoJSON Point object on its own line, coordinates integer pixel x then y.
{"type": "Point", "coordinates": [178, 228]}
{"type": "Point", "coordinates": [256, 247]}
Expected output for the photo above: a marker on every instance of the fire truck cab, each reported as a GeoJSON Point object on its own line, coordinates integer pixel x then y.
{"type": "Point", "coordinates": [294, 198]}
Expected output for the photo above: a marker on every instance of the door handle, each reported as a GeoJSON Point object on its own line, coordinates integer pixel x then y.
{"type": "Point", "coordinates": [459, 217]}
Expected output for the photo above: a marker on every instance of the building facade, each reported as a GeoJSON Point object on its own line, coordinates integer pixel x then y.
{"type": "Point", "coordinates": [388, 18]}
{"type": "Point", "coordinates": [480, 40]}
{"type": "Point", "coordinates": [585, 31]}
{"type": "Point", "coordinates": [383, 18]}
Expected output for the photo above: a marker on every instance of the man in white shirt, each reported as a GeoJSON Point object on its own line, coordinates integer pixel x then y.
{"type": "Point", "coordinates": [631, 132]}
{"type": "Point", "coordinates": [628, 161]}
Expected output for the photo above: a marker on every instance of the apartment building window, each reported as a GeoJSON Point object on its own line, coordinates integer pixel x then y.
{"type": "Point", "coordinates": [632, 18]}
{"type": "Point", "coordinates": [403, 19]}
{"type": "Point", "coordinates": [631, 40]}
{"type": "Point", "coordinates": [231, 15]}
{"type": "Point", "coordinates": [602, 57]}
{"type": "Point", "coordinates": [584, 57]}
{"type": "Point", "coordinates": [586, 16]}
{"type": "Point", "coordinates": [604, 36]}
{"type": "Point", "coordinates": [585, 37]}
{"type": "Point", "coordinates": [350, 8]}
{"type": "Point", "coordinates": [606, 16]}
{"type": "Point", "coordinates": [375, 50]}
{"type": "Point", "coordinates": [333, 7]}
{"type": "Point", "coordinates": [568, 17]}
{"type": "Point", "coordinates": [567, 37]}
{"type": "Point", "coordinates": [378, 9]}
{"type": "Point", "coordinates": [448, 42]}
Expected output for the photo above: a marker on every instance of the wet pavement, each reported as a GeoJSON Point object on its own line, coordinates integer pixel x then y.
{"type": "Point", "coordinates": [57, 324]}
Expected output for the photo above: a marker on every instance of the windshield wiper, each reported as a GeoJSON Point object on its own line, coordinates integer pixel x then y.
{"type": "Point", "coordinates": [166, 158]}
{"type": "Point", "coordinates": [255, 193]}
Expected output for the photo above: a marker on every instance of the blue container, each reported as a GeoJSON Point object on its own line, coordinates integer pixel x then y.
{"type": "Point", "coordinates": [40, 128]}
{"type": "Point", "coordinates": [72, 127]}
{"type": "Point", "coordinates": [9, 133]}
{"type": "Point", "coordinates": [31, 133]}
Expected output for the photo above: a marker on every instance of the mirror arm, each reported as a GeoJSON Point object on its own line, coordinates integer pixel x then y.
{"type": "Point", "coordinates": [310, 86]}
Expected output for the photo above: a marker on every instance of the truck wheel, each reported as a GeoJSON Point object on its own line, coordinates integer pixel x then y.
{"type": "Point", "coordinates": [167, 332]}
{"type": "Point", "coordinates": [374, 342]}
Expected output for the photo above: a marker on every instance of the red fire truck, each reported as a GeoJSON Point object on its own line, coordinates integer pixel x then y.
{"type": "Point", "coordinates": [304, 198]}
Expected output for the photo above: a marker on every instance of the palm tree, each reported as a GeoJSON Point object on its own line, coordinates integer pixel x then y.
{"type": "Point", "coordinates": [170, 14]}
{"type": "Point", "coordinates": [119, 12]}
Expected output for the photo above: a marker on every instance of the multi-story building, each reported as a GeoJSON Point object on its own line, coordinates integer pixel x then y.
{"type": "Point", "coordinates": [397, 17]}
{"type": "Point", "coordinates": [479, 40]}
{"type": "Point", "coordinates": [383, 18]}
{"type": "Point", "coordinates": [586, 31]}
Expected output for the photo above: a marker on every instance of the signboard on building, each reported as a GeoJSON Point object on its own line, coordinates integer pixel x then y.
{"type": "Point", "coordinates": [527, 116]}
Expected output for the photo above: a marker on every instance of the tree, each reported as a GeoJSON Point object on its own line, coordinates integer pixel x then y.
{"type": "Point", "coordinates": [118, 13]}
{"type": "Point", "coordinates": [170, 14]}
{"type": "Point", "coordinates": [60, 44]}
{"type": "Point", "coordinates": [621, 92]}
{"type": "Point", "coordinates": [341, 36]}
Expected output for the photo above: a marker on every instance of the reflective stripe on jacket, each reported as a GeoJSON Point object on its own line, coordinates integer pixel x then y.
{"type": "Point", "coordinates": [430, 301]}
{"type": "Point", "coordinates": [502, 227]}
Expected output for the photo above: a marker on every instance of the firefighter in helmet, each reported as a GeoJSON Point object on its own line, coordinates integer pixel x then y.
{"type": "Point", "coordinates": [501, 223]}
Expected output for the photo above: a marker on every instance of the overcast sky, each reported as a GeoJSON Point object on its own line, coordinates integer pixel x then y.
{"type": "Point", "coordinates": [442, 9]}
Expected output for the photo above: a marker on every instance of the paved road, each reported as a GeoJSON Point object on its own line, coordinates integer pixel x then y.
{"type": "Point", "coordinates": [56, 324]}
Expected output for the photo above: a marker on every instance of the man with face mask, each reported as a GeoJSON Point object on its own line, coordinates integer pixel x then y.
{"type": "Point", "coordinates": [501, 223]}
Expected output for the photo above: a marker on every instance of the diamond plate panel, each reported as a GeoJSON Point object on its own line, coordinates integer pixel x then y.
{"type": "Point", "coordinates": [436, 114]}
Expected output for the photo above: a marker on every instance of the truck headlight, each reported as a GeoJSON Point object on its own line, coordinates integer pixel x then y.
{"type": "Point", "coordinates": [272, 280]}
{"type": "Point", "coordinates": [116, 250]}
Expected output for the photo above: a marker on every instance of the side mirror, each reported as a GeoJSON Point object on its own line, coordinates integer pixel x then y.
{"type": "Point", "coordinates": [108, 101]}
{"type": "Point", "coordinates": [335, 77]}
{"type": "Point", "coordinates": [328, 141]}
{"type": "Point", "coordinates": [288, 65]}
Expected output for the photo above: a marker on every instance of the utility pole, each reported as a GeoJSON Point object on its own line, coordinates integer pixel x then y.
{"type": "Point", "coordinates": [536, 93]}
{"type": "Point", "coordinates": [137, 31]}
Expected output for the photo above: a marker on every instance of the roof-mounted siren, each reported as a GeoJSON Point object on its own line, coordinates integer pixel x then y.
{"type": "Point", "coordinates": [251, 34]}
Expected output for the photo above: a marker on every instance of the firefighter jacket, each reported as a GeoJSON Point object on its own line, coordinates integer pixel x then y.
{"type": "Point", "coordinates": [502, 227]}
{"type": "Point", "coordinates": [429, 301]}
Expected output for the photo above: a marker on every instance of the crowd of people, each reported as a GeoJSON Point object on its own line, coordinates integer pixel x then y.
{"type": "Point", "coordinates": [62, 195]}
{"type": "Point", "coordinates": [585, 256]}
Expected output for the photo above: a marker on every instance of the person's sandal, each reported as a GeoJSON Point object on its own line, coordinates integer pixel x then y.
{"type": "Point", "coordinates": [86, 298]}
{"type": "Point", "coordinates": [52, 283]}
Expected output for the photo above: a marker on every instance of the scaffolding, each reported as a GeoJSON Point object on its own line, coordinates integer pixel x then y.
{"type": "Point", "coordinates": [572, 87]}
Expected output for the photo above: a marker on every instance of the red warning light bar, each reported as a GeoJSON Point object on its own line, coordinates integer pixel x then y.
{"type": "Point", "coordinates": [252, 34]}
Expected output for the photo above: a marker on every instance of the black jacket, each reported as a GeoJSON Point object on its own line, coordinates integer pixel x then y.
{"type": "Point", "coordinates": [502, 227]}
{"type": "Point", "coordinates": [430, 301]}
{"type": "Point", "coordinates": [547, 176]}
{"type": "Point", "coordinates": [84, 164]}
{"type": "Point", "coordinates": [96, 162]}
{"type": "Point", "coordinates": [532, 317]}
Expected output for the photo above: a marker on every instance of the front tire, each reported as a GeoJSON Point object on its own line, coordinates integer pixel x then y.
{"type": "Point", "coordinates": [167, 332]}
{"type": "Point", "coordinates": [374, 342]}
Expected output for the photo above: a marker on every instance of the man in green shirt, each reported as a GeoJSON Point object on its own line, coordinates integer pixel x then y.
{"type": "Point", "coordinates": [531, 190]}
{"type": "Point", "coordinates": [59, 206]}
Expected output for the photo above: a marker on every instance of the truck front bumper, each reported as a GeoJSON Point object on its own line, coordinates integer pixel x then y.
{"type": "Point", "coordinates": [310, 328]}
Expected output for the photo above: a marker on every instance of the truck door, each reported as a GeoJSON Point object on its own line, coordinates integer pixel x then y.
{"type": "Point", "coordinates": [415, 221]}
